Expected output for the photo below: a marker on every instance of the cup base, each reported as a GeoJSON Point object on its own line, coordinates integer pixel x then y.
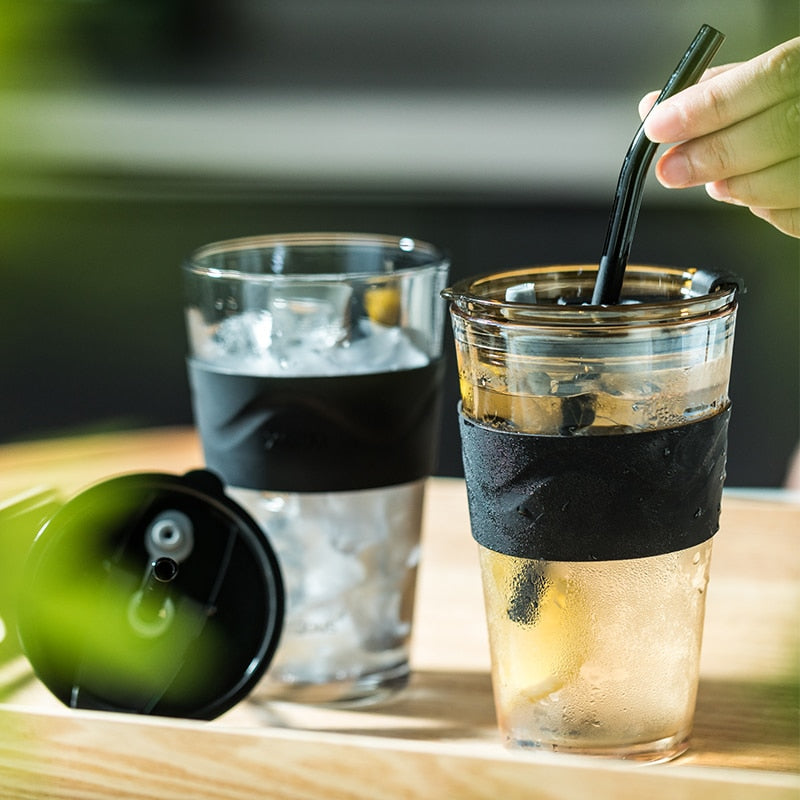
{"type": "Point", "coordinates": [365, 690]}
{"type": "Point", "coordinates": [642, 752]}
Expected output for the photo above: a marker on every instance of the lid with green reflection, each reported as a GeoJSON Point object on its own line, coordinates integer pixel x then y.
{"type": "Point", "coordinates": [151, 594]}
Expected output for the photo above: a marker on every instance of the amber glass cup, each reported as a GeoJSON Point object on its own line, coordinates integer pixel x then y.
{"type": "Point", "coordinates": [594, 444]}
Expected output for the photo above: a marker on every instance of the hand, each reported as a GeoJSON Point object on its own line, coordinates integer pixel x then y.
{"type": "Point", "coordinates": [739, 129]}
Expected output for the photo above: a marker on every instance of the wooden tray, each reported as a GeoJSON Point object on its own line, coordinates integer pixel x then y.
{"type": "Point", "coordinates": [438, 739]}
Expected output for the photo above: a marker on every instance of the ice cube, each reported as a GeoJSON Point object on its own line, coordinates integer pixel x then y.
{"type": "Point", "coordinates": [310, 315]}
{"type": "Point", "coordinates": [246, 335]}
{"type": "Point", "coordinates": [377, 349]}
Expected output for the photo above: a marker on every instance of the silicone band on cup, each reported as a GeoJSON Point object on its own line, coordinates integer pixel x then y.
{"type": "Point", "coordinates": [595, 498]}
{"type": "Point", "coordinates": [318, 434]}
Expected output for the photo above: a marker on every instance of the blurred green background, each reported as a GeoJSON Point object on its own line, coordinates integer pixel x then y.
{"type": "Point", "coordinates": [134, 131]}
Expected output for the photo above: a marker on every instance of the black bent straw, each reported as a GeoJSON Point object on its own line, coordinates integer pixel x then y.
{"type": "Point", "coordinates": [628, 198]}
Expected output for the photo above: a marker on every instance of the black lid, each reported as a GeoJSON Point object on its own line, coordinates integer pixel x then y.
{"type": "Point", "coordinates": [152, 594]}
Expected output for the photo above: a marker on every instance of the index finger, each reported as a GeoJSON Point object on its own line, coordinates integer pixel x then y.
{"type": "Point", "coordinates": [728, 96]}
{"type": "Point", "coordinates": [648, 101]}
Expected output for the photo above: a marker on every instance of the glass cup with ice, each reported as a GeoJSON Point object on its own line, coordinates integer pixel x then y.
{"type": "Point", "coordinates": [315, 368]}
{"type": "Point", "coordinates": [594, 444]}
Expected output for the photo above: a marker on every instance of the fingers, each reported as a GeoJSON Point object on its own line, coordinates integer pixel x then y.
{"type": "Point", "coordinates": [727, 96]}
{"type": "Point", "coordinates": [786, 220]}
{"type": "Point", "coordinates": [761, 141]}
{"type": "Point", "coordinates": [739, 130]}
{"type": "Point", "coordinates": [779, 184]}
{"type": "Point", "coordinates": [648, 101]}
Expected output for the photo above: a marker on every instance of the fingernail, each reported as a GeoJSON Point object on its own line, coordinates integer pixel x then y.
{"type": "Point", "coordinates": [664, 124]}
{"type": "Point", "coordinates": [674, 170]}
{"type": "Point", "coordinates": [718, 190]}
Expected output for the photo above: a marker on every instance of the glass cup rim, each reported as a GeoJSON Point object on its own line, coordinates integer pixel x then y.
{"type": "Point", "coordinates": [467, 299]}
{"type": "Point", "coordinates": [437, 258]}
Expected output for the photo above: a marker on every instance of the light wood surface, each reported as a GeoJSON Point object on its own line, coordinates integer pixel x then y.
{"type": "Point", "coordinates": [438, 739]}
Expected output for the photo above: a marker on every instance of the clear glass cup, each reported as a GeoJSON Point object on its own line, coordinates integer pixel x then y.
{"type": "Point", "coordinates": [594, 444]}
{"type": "Point", "coordinates": [315, 362]}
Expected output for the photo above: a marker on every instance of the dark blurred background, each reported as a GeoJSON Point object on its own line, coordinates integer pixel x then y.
{"type": "Point", "coordinates": [135, 130]}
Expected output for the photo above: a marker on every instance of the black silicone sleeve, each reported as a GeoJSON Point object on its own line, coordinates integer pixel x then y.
{"type": "Point", "coordinates": [595, 498]}
{"type": "Point", "coordinates": [318, 434]}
